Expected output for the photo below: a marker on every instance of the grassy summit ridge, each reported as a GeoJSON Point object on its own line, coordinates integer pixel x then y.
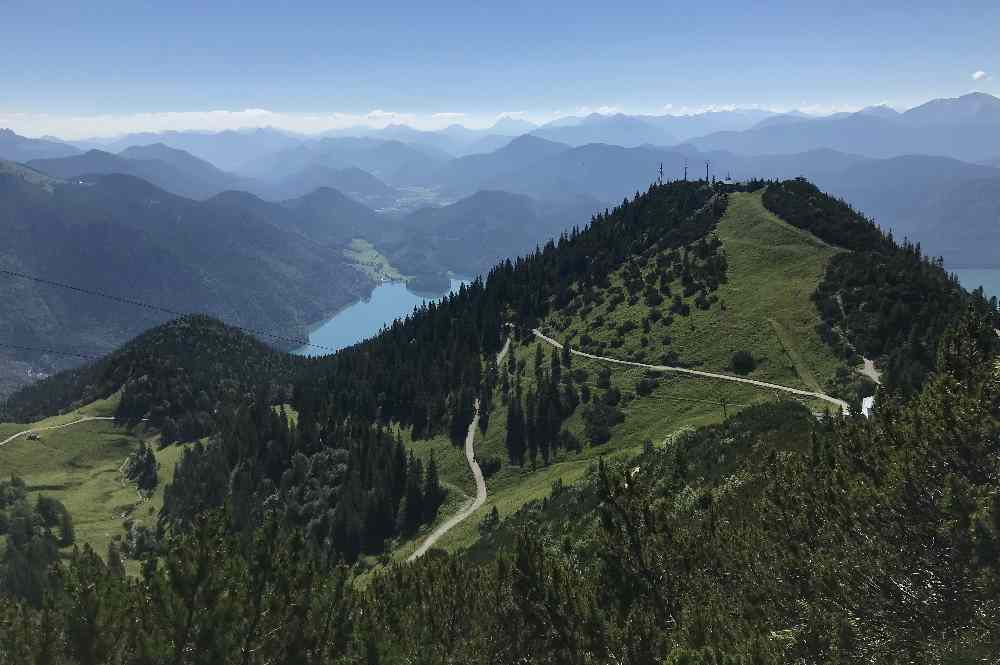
{"type": "Point", "coordinates": [773, 269]}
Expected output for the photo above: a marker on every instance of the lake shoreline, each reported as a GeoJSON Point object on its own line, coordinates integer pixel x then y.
{"type": "Point", "coordinates": [387, 301]}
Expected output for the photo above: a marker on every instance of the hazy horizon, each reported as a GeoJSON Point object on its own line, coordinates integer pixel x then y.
{"type": "Point", "coordinates": [121, 68]}
{"type": "Point", "coordinates": [79, 128]}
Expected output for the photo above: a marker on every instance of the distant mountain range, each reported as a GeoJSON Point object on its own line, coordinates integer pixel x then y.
{"type": "Point", "coordinates": [170, 169]}
{"type": "Point", "coordinates": [454, 140]}
{"type": "Point", "coordinates": [251, 262]}
{"type": "Point", "coordinates": [230, 150]}
{"type": "Point", "coordinates": [966, 128]}
{"type": "Point", "coordinates": [471, 173]}
{"type": "Point", "coordinates": [631, 131]}
{"type": "Point", "coordinates": [352, 181]}
{"type": "Point", "coordinates": [392, 161]}
{"type": "Point", "coordinates": [474, 233]}
{"type": "Point", "coordinates": [619, 129]}
{"type": "Point", "coordinates": [951, 207]}
{"type": "Point", "coordinates": [912, 170]}
{"type": "Point", "coordinates": [18, 148]}
{"type": "Point", "coordinates": [904, 193]}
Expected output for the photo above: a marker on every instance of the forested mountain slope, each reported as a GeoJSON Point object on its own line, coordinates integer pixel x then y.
{"type": "Point", "coordinates": [767, 539]}
{"type": "Point", "coordinates": [235, 257]}
{"type": "Point", "coordinates": [881, 299]}
{"type": "Point", "coordinates": [685, 555]}
{"type": "Point", "coordinates": [183, 371]}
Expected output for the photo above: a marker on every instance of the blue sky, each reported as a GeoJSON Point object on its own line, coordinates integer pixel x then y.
{"type": "Point", "coordinates": [110, 61]}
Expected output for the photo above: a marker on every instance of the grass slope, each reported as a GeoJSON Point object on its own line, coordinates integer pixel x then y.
{"type": "Point", "coordinates": [369, 261]}
{"type": "Point", "coordinates": [773, 270]}
{"type": "Point", "coordinates": [79, 465]}
{"type": "Point", "coordinates": [764, 307]}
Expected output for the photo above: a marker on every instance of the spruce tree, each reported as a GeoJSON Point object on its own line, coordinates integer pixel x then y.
{"type": "Point", "coordinates": [67, 534]}
{"type": "Point", "coordinates": [413, 504]}
{"type": "Point", "coordinates": [433, 492]}
{"type": "Point", "coordinates": [116, 567]}
{"type": "Point", "coordinates": [515, 431]}
{"type": "Point", "coordinates": [531, 432]}
{"type": "Point", "coordinates": [555, 367]}
{"type": "Point", "coordinates": [539, 363]}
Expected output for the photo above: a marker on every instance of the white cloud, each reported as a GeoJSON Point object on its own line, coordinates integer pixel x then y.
{"type": "Point", "coordinates": [804, 107]}
{"type": "Point", "coordinates": [602, 110]}
{"type": "Point", "coordinates": [74, 127]}
{"type": "Point", "coordinates": [979, 75]}
{"type": "Point", "coordinates": [108, 125]}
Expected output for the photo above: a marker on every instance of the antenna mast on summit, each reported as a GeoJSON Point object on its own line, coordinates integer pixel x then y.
{"type": "Point", "coordinates": [707, 164]}
{"type": "Point", "coordinates": [660, 179]}
{"type": "Point", "coordinates": [685, 170]}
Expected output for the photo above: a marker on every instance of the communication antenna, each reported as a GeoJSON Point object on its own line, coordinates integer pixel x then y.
{"type": "Point", "coordinates": [660, 179]}
{"type": "Point", "coordinates": [685, 170]}
{"type": "Point", "coordinates": [707, 164]}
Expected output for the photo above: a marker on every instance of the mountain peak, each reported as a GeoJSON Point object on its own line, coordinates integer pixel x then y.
{"type": "Point", "coordinates": [512, 126]}
{"type": "Point", "coordinates": [880, 111]}
{"type": "Point", "coordinates": [974, 107]}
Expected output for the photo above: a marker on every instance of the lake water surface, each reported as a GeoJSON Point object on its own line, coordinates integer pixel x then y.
{"type": "Point", "coordinates": [973, 278]}
{"type": "Point", "coordinates": [363, 319]}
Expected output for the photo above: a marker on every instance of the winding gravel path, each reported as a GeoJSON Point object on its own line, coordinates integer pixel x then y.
{"type": "Point", "coordinates": [477, 473]}
{"type": "Point", "coordinates": [711, 375]}
{"type": "Point", "coordinates": [85, 419]}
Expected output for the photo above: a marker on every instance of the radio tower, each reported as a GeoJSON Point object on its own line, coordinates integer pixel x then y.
{"type": "Point", "coordinates": [707, 163]}
{"type": "Point", "coordinates": [660, 179]}
{"type": "Point", "coordinates": [685, 170]}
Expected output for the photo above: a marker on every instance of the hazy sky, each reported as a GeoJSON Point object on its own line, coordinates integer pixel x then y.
{"type": "Point", "coordinates": [109, 66]}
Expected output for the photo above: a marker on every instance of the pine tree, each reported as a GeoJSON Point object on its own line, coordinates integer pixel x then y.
{"type": "Point", "coordinates": [539, 363]}
{"type": "Point", "coordinates": [67, 534]}
{"type": "Point", "coordinates": [116, 567]}
{"type": "Point", "coordinates": [515, 431]}
{"type": "Point", "coordinates": [433, 492]}
{"type": "Point", "coordinates": [555, 367]}
{"type": "Point", "coordinates": [542, 419]}
{"type": "Point", "coordinates": [463, 412]}
{"type": "Point", "coordinates": [412, 512]}
{"type": "Point", "coordinates": [531, 433]}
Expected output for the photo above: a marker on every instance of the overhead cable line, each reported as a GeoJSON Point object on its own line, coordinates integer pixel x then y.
{"type": "Point", "coordinates": [138, 303]}
{"type": "Point", "coordinates": [85, 356]}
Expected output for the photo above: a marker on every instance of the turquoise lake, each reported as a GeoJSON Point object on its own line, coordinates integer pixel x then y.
{"type": "Point", "coordinates": [365, 318]}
